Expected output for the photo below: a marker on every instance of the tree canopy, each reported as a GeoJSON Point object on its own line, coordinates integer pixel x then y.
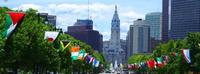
{"type": "Point", "coordinates": [173, 48]}
{"type": "Point", "coordinates": [27, 50]}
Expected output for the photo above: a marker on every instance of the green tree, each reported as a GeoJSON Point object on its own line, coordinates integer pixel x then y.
{"type": "Point", "coordinates": [136, 58]}
{"type": "Point", "coordinates": [27, 50]}
{"type": "Point", "coordinates": [193, 40]}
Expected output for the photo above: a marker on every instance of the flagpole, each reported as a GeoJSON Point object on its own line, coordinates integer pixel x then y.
{"type": "Point", "coordinates": [88, 9]}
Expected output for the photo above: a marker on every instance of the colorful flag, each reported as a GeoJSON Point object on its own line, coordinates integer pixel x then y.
{"type": "Point", "coordinates": [159, 62]}
{"type": "Point", "coordinates": [82, 54]}
{"type": "Point", "coordinates": [143, 65]}
{"type": "Point", "coordinates": [175, 54]}
{"type": "Point", "coordinates": [121, 66]}
{"type": "Point", "coordinates": [186, 53]}
{"type": "Point", "coordinates": [135, 66]}
{"type": "Point", "coordinates": [88, 59]}
{"type": "Point", "coordinates": [95, 63]}
{"type": "Point", "coordinates": [165, 59]}
{"type": "Point", "coordinates": [51, 35]}
{"type": "Point", "coordinates": [91, 59]}
{"type": "Point", "coordinates": [75, 52]}
{"type": "Point", "coordinates": [64, 44]}
{"type": "Point", "coordinates": [129, 66]}
{"type": "Point", "coordinates": [13, 19]}
{"type": "Point", "coordinates": [151, 64]}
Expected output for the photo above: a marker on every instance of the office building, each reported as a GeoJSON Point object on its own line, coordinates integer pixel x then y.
{"type": "Point", "coordinates": [83, 31]}
{"type": "Point", "coordinates": [139, 37]}
{"type": "Point", "coordinates": [184, 17]}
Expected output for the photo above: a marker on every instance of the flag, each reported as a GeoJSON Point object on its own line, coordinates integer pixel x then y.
{"type": "Point", "coordinates": [13, 19]}
{"type": "Point", "coordinates": [75, 52]}
{"type": "Point", "coordinates": [135, 66]}
{"type": "Point", "coordinates": [91, 59]}
{"type": "Point", "coordinates": [165, 59]}
{"type": "Point", "coordinates": [88, 59]}
{"type": "Point", "coordinates": [111, 67]}
{"type": "Point", "coordinates": [51, 35]}
{"type": "Point", "coordinates": [159, 62]}
{"type": "Point", "coordinates": [64, 44]}
{"type": "Point", "coordinates": [129, 66]}
{"type": "Point", "coordinates": [132, 66]}
{"type": "Point", "coordinates": [175, 54]}
{"type": "Point", "coordinates": [151, 64]}
{"type": "Point", "coordinates": [186, 53]}
{"type": "Point", "coordinates": [143, 65]}
{"type": "Point", "coordinates": [95, 63]}
{"type": "Point", "coordinates": [121, 66]}
{"type": "Point", "coordinates": [82, 54]}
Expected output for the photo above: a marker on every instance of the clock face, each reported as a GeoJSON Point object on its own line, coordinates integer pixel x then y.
{"type": "Point", "coordinates": [117, 25]}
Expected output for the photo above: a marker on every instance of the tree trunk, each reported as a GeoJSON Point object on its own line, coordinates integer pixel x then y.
{"type": "Point", "coordinates": [15, 68]}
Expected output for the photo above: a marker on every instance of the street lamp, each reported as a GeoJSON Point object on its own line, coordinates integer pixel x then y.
{"type": "Point", "coordinates": [46, 22]}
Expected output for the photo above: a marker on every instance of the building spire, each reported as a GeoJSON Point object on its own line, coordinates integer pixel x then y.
{"type": "Point", "coordinates": [115, 16]}
{"type": "Point", "coordinates": [115, 8]}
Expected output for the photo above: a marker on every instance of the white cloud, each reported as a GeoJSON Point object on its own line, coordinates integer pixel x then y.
{"type": "Point", "coordinates": [27, 6]}
{"type": "Point", "coordinates": [125, 26]}
{"type": "Point", "coordinates": [106, 35]}
{"type": "Point", "coordinates": [100, 13]}
{"type": "Point", "coordinates": [132, 15]}
{"type": "Point", "coordinates": [123, 35]}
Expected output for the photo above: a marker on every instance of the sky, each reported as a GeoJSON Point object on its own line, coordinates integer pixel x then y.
{"type": "Point", "coordinates": [100, 11]}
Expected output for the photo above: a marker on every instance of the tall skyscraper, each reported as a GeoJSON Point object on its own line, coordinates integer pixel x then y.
{"type": "Point", "coordinates": [138, 37]}
{"type": "Point", "coordinates": [165, 20]}
{"type": "Point", "coordinates": [154, 20]}
{"type": "Point", "coordinates": [83, 31]}
{"type": "Point", "coordinates": [115, 52]}
{"type": "Point", "coordinates": [185, 18]}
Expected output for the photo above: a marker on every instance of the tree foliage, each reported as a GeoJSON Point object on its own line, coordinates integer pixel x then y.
{"type": "Point", "coordinates": [176, 64]}
{"type": "Point", "coordinates": [27, 50]}
{"type": "Point", "coordinates": [138, 58]}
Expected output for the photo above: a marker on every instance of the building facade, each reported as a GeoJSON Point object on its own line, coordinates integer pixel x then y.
{"type": "Point", "coordinates": [185, 18]}
{"type": "Point", "coordinates": [124, 48]}
{"type": "Point", "coordinates": [83, 31]}
{"type": "Point", "coordinates": [154, 20]}
{"type": "Point", "coordinates": [139, 37]}
{"type": "Point", "coordinates": [48, 19]}
{"type": "Point", "coordinates": [165, 20]}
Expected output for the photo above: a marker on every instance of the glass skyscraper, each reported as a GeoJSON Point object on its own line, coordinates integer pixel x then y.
{"type": "Point", "coordinates": [165, 20]}
{"type": "Point", "coordinates": [154, 20]}
{"type": "Point", "coordinates": [185, 18]}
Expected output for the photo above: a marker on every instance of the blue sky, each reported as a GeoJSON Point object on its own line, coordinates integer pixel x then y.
{"type": "Point", "coordinates": [101, 11]}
